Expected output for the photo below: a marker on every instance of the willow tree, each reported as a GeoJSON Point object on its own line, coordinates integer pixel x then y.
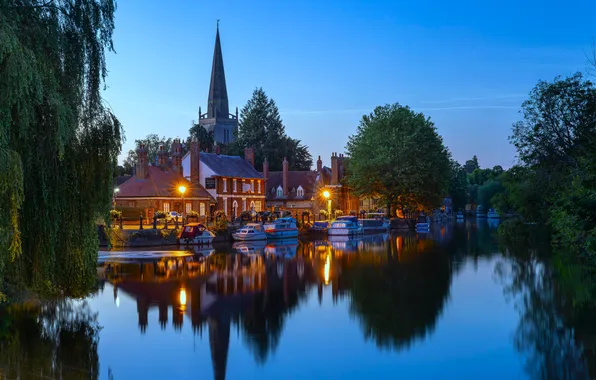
{"type": "Point", "coordinates": [58, 142]}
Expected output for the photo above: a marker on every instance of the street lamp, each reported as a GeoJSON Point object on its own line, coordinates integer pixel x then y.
{"type": "Point", "coordinates": [182, 190]}
{"type": "Point", "coordinates": [115, 195]}
{"type": "Point", "coordinates": [327, 196]}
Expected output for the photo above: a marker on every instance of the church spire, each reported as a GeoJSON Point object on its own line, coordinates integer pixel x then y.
{"type": "Point", "coordinates": [218, 93]}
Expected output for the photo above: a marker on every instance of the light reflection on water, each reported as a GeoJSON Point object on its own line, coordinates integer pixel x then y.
{"type": "Point", "coordinates": [437, 305]}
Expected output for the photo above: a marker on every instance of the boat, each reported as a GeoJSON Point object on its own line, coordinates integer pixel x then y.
{"type": "Point", "coordinates": [480, 212]}
{"type": "Point", "coordinates": [492, 214]}
{"type": "Point", "coordinates": [422, 224]}
{"type": "Point", "coordinates": [196, 233]}
{"type": "Point", "coordinates": [375, 223]}
{"type": "Point", "coordinates": [345, 225]}
{"type": "Point", "coordinates": [319, 228]}
{"type": "Point", "coordinates": [249, 232]}
{"type": "Point", "coordinates": [459, 215]}
{"type": "Point", "coordinates": [281, 228]}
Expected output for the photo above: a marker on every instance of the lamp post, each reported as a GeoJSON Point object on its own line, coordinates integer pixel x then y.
{"type": "Point", "coordinates": [182, 190]}
{"type": "Point", "coordinates": [327, 196]}
{"type": "Point", "coordinates": [116, 190]}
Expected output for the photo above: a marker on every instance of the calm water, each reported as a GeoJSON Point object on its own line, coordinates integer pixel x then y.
{"type": "Point", "coordinates": [447, 305]}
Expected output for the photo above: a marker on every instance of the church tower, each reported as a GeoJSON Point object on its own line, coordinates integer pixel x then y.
{"type": "Point", "coordinates": [218, 118]}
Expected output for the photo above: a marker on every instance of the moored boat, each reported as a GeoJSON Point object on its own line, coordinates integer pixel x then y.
{"type": "Point", "coordinates": [376, 223]}
{"type": "Point", "coordinates": [422, 224]}
{"type": "Point", "coordinates": [196, 233]}
{"type": "Point", "coordinates": [319, 228]}
{"type": "Point", "coordinates": [459, 215]}
{"type": "Point", "coordinates": [249, 232]}
{"type": "Point", "coordinates": [492, 214]}
{"type": "Point", "coordinates": [345, 225]}
{"type": "Point", "coordinates": [281, 228]}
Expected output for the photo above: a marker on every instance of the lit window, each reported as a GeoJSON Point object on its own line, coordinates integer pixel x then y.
{"type": "Point", "coordinates": [188, 207]}
{"type": "Point", "coordinates": [252, 185]}
{"type": "Point", "coordinates": [258, 206]}
{"type": "Point", "coordinates": [259, 186]}
{"type": "Point", "coordinates": [300, 192]}
{"type": "Point", "coordinates": [235, 187]}
{"type": "Point", "coordinates": [166, 207]}
{"type": "Point", "coordinates": [235, 208]}
{"type": "Point", "coordinates": [225, 202]}
{"type": "Point", "coordinates": [280, 192]}
{"type": "Point", "coordinates": [202, 209]}
{"type": "Point", "coordinates": [244, 205]}
{"type": "Point", "coordinates": [252, 205]}
{"type": "Point", "coordinates": [225, 187]}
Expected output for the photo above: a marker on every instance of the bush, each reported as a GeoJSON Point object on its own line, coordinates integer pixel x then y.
{"type": "Point", "coordinates": [115, 214]}
{"type": "Point", "coordinates": [159, 214]}
{"type": "Point", "coordinates": [338, 213]}
{"type": "Point", "coordinates": [192, 214]}
{"type": "Point", "coordinates": [221, 226]}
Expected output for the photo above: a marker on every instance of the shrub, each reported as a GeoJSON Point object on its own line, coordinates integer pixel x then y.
{"type": "Point", "coordinates": [192, 214]}
{"type": "Point", "coordinates": [115, 214]}
{"type": "Point", "coordinates": [159, 214]}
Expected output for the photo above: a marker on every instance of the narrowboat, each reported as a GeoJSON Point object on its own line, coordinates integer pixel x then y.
{"type": "Point", "coordinates": [196, 233]}
{"type": "Point", "coordinates": [281, 228]}
{"type": "Point", "coordinates": [374, 225]}
{"type": "Point", "coordinates": [249, 232]}
{"type": "Point", "coordinates": [345, 225]}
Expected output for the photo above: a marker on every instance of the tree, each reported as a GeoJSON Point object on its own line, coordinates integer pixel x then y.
{"type": "Point", "coordinates": [261, 127]}
{"type": "Point", "coordinates": [487, 191]}
{"type": "Point", "coordinates": [472, 165]}
{"type": "Point", "coordinates": [198, 133]}
{"type": "Point", "coordinates": [398, 155]}
{"type": "Point", "coordinates": [458, 185]}
{"type": "Point", "coordinates": [58, 142]}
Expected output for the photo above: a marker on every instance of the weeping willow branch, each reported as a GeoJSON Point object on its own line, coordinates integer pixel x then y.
{"type": "Point", "coordinates": [58, 144]}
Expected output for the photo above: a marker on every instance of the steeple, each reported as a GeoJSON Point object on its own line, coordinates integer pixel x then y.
{"type": "Point", "coordinates": [218, 93]}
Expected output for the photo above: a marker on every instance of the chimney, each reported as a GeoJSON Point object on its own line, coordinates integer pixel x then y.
{"type": "Point", "coordinates": [340, 166]}
{"type": "Point", "coordinates": [249, 155]}
{"type": "Point", "coordinates": [195, 161]}
{"type": "Point", "coordinates": [285, 166]}
{"type": "Point", "coordinates": [319, 165]}
{"type": "Point", "coordinates": [142, 164]}
{"type": "Point", "coordinates": [266, 169]}
{"type": "Point", "coordinates": [177, 156]}
{"type": "Point", "coordinates": [334, 169]}
{"type": "Point", "coordinates": [162, 157]}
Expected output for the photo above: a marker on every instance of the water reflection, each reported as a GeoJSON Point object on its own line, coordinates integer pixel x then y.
{"type": "Point", "coordinates": [249, 298]}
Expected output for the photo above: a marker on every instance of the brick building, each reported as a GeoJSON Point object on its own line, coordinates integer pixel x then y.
{"type": "Point", "coordinates": [232, 181]}
{"type": "Point", "coordinates": [156, 187]}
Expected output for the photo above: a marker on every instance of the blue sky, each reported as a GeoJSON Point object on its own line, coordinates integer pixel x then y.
{"type": "Point", "coordinates": [467, 64]}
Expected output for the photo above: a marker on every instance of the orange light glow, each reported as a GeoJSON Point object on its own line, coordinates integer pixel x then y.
{"type": "Point", "coordinates": [183, 297]}
{"type": "Point", "coordinates": [182, 189]}
{"type": "Point", "coordinates": [327, 269]}
{"type": "Point", "coordinates": [326, 194]}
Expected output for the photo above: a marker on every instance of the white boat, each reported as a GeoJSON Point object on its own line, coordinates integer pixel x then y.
{"type": "Point", "coordinates": [281, 228]}
{"type": "Point", "coordinates": [480, 212]}
{"type": "Point", "coordinates": [345, 225]}
{"type": "Point", "coordinates": [249, 232]}
{"type": "Point", "coordinates": [423, 224]}
{"type": "Point", "coordinates": [375, 224]}
{"type": "Point", "coordinates": [492, 214]}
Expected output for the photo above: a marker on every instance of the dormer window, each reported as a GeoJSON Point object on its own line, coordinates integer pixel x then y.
{"type": "Point", "coordinates": [300, 192]}
{"type": "Point", "coordinates": [280, 192]}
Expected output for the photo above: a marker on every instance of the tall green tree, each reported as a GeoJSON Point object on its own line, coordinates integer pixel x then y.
{"type": "Point", "coordinates": [458, 185]}
{"type": "Point", "coordinates": [58, 142]}
{"type": "Point", "coordinates": [398, 155]}
{"type": "Point", "coordinates": [472, 165]}
{"type": "Point", "coordinates": [261, 127]}
{"type": "Point", "coordinates": [198, 133]}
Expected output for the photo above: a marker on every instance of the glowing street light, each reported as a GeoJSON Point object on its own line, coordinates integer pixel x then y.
{"type": "Point", "coordinates": [182, 190]}
{"type": "Point", "coordinates": [327, 196]}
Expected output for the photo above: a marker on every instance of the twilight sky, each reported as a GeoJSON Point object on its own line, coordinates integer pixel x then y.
{"type": "Point", "coordinates": [467, 64]}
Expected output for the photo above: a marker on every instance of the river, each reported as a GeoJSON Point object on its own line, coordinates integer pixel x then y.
{"type": "Point", "coordinates": [451, 304]}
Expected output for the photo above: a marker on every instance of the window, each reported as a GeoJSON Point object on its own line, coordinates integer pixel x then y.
{"type": "Point", "coordinates": [252, 205]}
{"type": "Point", "coordinates": [202, 209]}
{"type": "Point", "coordinates": [259, 186]}
{"type": "Point", "coordinates": [258, 206]}
{"type": "Point", "coordinates": [252, 185]}
{"type": "Point", "coordinates": [166, 207]}
{"type": "Point", "coordinates": [225, 203]}
{"type": "Point", "coordinates": [244, 204]}
{"type": "Point", "coordinates": [225, 187]}
{"type": "Point", "coordinates": [280, 192]}
{"type": "Point", "coordinates": [188, 207]}
{"type": "Point", "coordinates": [300, 192]}
{"type": "Point", "coordinates": [235, 189]}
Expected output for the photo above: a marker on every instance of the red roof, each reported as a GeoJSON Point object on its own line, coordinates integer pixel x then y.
{"type": "Point", "coordinates": [161, 183]}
